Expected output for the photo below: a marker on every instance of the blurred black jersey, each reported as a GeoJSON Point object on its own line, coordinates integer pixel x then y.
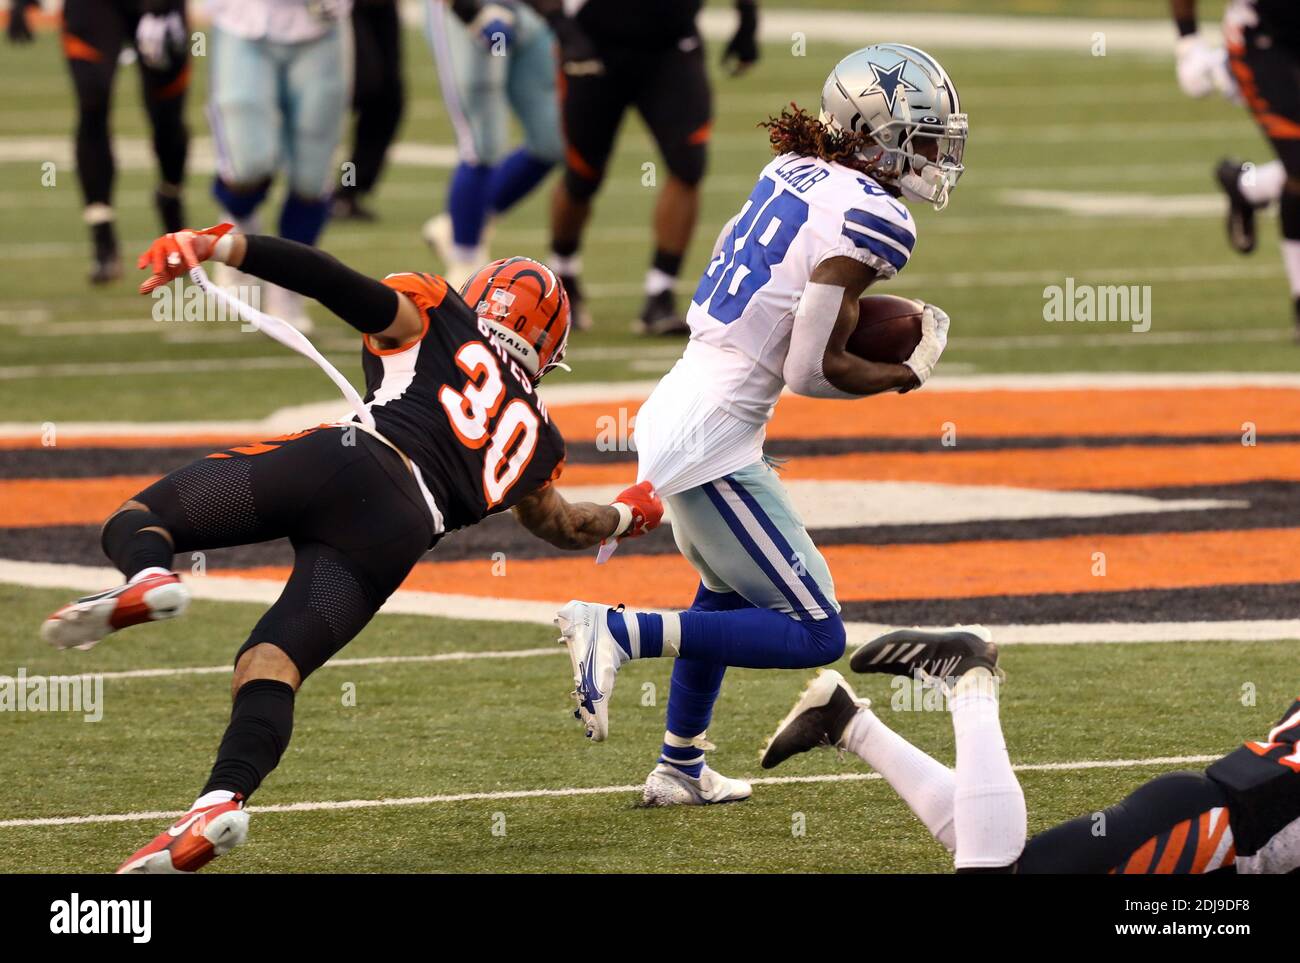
{"type": "Point", "coordinates": [1262, 783]}
{"type": "Point", "coordinates": [461, 409]}
{"type": "Point", "coordinates": [1278, 19]}
{"type": "Point", "coordinates": [638, 24]}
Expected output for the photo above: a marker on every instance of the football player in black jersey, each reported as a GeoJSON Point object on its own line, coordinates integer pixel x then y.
{"type": "Point", "coordinates": [459, 433]}
{"type": "Point", "coordinates": [1263, 63]}
{"type": "Point", "coordinates": [647, 54]}
{"type": "Point", "coordinates": [1241, 814]}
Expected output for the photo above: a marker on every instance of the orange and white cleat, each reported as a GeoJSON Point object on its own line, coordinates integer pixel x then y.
{"type": "Point", "coordinates": [193, 841]}
{"type": "Point", "coordinates": [83, 623]}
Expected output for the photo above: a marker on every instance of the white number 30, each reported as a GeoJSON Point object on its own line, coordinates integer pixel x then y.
{"type": "Point", "coordinates": [511, 441]}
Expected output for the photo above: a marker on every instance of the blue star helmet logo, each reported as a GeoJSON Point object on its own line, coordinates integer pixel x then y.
{"type": "Point", "coordinates": [888, 82]}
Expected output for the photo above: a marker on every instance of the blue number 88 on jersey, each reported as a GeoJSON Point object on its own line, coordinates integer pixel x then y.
{"type": "Point", "coordinates": [767, 225]}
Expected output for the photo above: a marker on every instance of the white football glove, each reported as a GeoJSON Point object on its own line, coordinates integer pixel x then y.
{"type": "Point", "coordinates": [160, 38]}
{"type": "Point", "coordinates": [1202, 69]}
{"type": "Point", "coordinates": [934, 338]}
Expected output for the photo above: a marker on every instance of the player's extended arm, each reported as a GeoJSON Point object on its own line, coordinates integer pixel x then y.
{"type": "Point", "coordinates": [370, 306]}
{"type": "Point", "coordinates": [1201, 69]}
{"type": "Point", "coordinates": [578, 525]}
{"type": "Point", "coordinates": [819, 364]}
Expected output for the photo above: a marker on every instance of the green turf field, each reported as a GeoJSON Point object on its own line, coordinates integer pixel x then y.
{"type": "Point", "coordinates": [503, 725]}
{"type": "Point", "coordinates": [1040, 122]}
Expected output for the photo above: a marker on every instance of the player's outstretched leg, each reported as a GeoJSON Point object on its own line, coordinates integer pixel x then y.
{"type": "Point", "coordinates": [601, 639]}
{"type": "Point", "coordinates": [988, 806]}
{"type": "Point", "coordinates": [140, 545]}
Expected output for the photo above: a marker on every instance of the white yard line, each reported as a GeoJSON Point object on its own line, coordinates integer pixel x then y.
{"type": "Point", "coordinates": [631, 392]}
{"type": "Point", "coordinates": [84, 578]}
{"type": "Point", "coordinates": [303, 807]}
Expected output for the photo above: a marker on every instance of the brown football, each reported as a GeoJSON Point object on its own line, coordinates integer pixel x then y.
{"type": "Point", "coordinates": [889, 328]}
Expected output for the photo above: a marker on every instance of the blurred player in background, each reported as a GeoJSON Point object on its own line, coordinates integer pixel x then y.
{"type": "Point", "coordinates": [18, 29]}
{"type": "Point", "coordinates": [281, 72]}
{"type": "Point", "coordinates": [1240, 815]}
{"type": "Point", "coordinates": [774, 309]}
{"type": "Point", "coordinates": [494, 58]}
{"type": "Point", "coordinates": [94, 33]}
{"type": "Point", "coordinates": [1263, 67]}
{"type": "Point", "coordinates": [646, 54]}
{"type": "Point", "coordinates": [378, 97]}
{"type": "Point", "coordinates": [455, 431]}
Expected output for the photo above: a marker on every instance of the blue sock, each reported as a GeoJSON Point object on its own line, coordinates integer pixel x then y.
{"type": "Point", "coordinates": [643, 638]}
{"type": "Point", "coordinates": [695, 688]}
{"type": "Point", "coordinates": [302, 220]}
{"type": "Point", "coordinates": [760, 639]}
{"type": "Point", "coordinates": [514, 178]}
{"type": "Point", "coordinates": [467, 202]}
{"type": "Point", "coordinates": [238, 205]}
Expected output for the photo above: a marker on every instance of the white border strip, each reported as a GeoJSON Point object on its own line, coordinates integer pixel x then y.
{"type": "Point", "coordinates": [85, 578]}
{"type": "Point", "coordinates": [301, 807]}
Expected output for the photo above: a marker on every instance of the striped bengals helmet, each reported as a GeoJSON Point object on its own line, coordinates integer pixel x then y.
{"type": "Point", "coordinates": [527, 308]}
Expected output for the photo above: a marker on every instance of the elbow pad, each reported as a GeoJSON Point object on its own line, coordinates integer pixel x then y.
{"type": "Point", "coordinates": [814, 320]}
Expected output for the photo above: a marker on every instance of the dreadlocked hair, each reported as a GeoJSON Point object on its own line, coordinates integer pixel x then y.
{"type": "Point", "coordinates": [795, 131]}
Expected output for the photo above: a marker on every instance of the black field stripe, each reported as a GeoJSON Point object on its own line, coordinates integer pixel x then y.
{"type": "Point", "coordinates": [75, 462]}
{"type": "Point", "coordinates": [1269, 505]}
{"type": "Point", "coordinates": [1213, 604]}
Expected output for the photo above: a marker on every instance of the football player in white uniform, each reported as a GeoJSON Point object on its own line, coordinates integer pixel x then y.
{"type": "Point", "coordinates": [775, 308]}
{"type": "Point", "coordinates": [280, 77]}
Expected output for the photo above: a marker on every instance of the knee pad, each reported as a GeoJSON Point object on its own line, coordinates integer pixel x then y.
{"type": "Point", "coordinates": [121, 529]}
{"type": "Point", "coordinates": [580, 187]}
{"type": "Point", "coordinates": [686, 162]}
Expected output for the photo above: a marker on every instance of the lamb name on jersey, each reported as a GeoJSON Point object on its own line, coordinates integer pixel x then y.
{"type": "Point", "coordinates": [802, 211]}
{"type": "Point", "coordinates": [461, 408]}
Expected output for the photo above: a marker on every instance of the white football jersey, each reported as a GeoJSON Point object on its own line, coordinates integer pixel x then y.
{"type": "Point", "coordinates": [802, 211]}
{"type": "Point", "coordinates": [280, 21]}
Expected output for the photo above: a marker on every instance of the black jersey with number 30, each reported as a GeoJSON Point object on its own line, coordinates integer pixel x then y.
{"type": "Point", "coordinates": [461, 409]}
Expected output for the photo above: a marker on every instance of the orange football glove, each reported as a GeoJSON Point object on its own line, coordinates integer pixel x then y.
{"type": "Point", "coordinates": [172, 255]}
{"type": "Point", "coordinates": [646, 509]}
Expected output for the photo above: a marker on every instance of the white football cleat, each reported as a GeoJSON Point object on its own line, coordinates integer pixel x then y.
{"type": "Point", "coordinates": [438, 234]}
{"type": "Point", "coordinates": [669, 786]}
{"type": "Point", "coordinates": [596, 658]}
{"type": "Point", "coordinates": [83, 623]}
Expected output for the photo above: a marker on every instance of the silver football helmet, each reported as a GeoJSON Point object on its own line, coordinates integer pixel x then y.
{"type": "Point", "coordinates": [904, 100]}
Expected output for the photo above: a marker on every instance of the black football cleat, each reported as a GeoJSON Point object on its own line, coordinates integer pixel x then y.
{"type": "Point", "coordinates": [105, 264]}
{"type": "Point", "coordinates": [659, 316]}
{"type": "Point", "coordinates": [348, 206]}
{"type": "Point", "coordinates": [818, 719]}
{"type": "Point", "coordinates": [578, 313]}
{"type": "Point", "coordinates": [941, 653]}
{"type": "Point", "coordinates": [1241, 212]}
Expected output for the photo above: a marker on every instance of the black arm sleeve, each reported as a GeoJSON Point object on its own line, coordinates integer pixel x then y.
{"type": "Point", "coordinates": [366, 304]}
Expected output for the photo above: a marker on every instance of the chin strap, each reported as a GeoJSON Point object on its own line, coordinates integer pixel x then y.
{"type": "Point", "coordinates": [920, 188]}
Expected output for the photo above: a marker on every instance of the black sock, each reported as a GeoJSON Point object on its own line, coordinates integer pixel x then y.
{"type": "Point", "coordinates": [668, 263]}
{"type": "Point", "coordinates": [104, 238]}
{"type": "Point", "coordinates": [170, 211]}
{"type": "Point", "coordinates": [564, 248]}
{"type": "Point", "coordinates": [261, 723]}
{"type": "Point", "coordinates": [131, 548]}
